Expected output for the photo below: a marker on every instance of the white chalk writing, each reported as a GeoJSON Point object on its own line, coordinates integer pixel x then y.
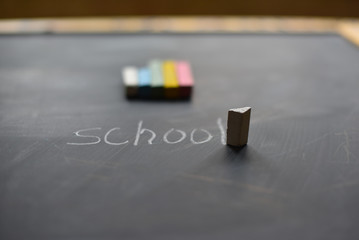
{"type": "Point", "coordinates": [165, 136]}
{"type": "Point", "coordinates": [203, 141]}
{"type": "Point", "coordinates": [172, 136]}
{"type": "Point", "coordinates": [77, 133]}
{"type": "Point", "coordinates": [112, 143]}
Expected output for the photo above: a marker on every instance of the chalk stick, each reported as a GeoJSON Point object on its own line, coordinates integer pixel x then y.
{"type": "Point", "coordinates": [171, 87]}
{"type": "Point", "coordinates": [130, 80]}
{"type": "Point", "coordinates": [157, 84]}
{"type": "Point", "coordinates": [238, 126]}
{"type": "Point", "coordinates": [185, 79]}
{"type": "Point", "coordinates": [144, 83]}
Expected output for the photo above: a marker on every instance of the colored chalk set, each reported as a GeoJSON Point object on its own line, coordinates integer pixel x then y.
{"type": "Point", "coordinates": [159, 80]}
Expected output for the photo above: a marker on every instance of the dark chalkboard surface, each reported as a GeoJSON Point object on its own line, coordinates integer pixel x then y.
{"type": "Point", "coordinates": [297, 178]}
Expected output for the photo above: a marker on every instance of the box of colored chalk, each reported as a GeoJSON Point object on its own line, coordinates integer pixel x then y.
{"type": "Point", "coordinates": [159, 80]}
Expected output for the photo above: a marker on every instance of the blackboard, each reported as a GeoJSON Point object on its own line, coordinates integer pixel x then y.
{"type": "Point", "coordinates": [296, 179]}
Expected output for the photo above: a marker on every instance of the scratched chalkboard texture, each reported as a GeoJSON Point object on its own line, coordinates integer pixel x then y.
{"type": "Point", "coordinates": [76, 159]}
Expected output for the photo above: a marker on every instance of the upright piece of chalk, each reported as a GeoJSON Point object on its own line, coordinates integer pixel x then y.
{"type": "Point", "coordinates": [144, 83]}
{"type": "Point", "coordinates": [171, 86]}
{"type": "Point", "coordinates": [157, 88]}
{"type": "Point", "coordinates": [185, 79]}
{"type": "Point", "coordinates": [238, 126]}
{"type": "Point", "coordinates": [130, 80]}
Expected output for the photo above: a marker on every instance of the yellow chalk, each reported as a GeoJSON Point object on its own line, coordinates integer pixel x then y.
{"type": "Point", "coordinates": [170, 81]}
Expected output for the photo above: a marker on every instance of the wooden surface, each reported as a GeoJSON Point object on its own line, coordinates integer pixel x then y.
{"type": "Point", "coordinates": [173, 24]}
{"type": "Point", "coordinates": [350, 31]}
{"type": "Point", "coordinates": [85, 8]}
{"type": "Point", "coordinates": [348, 28]}
{"type": "Point", "coordinates": [296, 179]}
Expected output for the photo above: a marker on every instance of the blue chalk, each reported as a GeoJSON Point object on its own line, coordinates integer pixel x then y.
{"type": "Point", "coordinates": [144, 83]}
{"type": "Point", "coordinates": [144, 77]}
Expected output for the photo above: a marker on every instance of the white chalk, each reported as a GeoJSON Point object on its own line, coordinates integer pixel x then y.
{"type": "Point", "coordinates": [238, 126]}
{"type": "Point", "coordinates": [130, 80]}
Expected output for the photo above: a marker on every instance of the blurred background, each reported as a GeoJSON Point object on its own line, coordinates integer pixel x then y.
{"type": "Point", "coordinates": [85, 8]}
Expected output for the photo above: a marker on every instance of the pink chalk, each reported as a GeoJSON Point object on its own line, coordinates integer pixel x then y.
{"type": "Point", "coordinates": [185, 79]}
{"type": "Point", "coordinates": [184, 73]}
